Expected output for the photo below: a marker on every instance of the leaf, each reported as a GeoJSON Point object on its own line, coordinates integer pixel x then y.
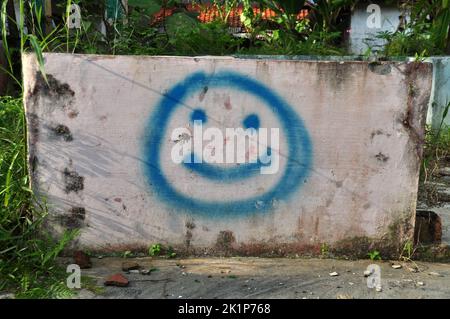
{"type": "Point", "coordinates": [38, 51]}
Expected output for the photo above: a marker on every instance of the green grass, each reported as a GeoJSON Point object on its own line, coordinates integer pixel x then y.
{"type": "Point", "coordinates": [436, 150]}
{"type": "Point", "coordinates": [27, 255]}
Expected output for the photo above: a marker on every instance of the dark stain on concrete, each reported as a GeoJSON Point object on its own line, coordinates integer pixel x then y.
{"type": "Point", "coordinates": [188, 236]}
{"type": "Point", "coordinates": [53, 88]}
{"type": "Point", "coordinates": [379, 132]}
{"type": "Point", "coordinates": [225, 240]}
{"type": "Point", "coordinates": [73, 182]}
{"type": "Point", "coordinates": [33, 126]}
{"type": "Point", "coordinates": [203, 94]}
{"type": "Point", "coordinates": [75, 219]}
{"type": "Point", "coordinates": [382, 157]}
{"type": "Point", "coordinates": [227, 103]}
{"type": "Point", "coordinates": [34, 162]}
{"type": "Point", "coordinates": [72, 114]}
{"type": "Point", "coordinates": [380, 68]}
{"type": "Point", "coordinates": [190, 224]}
{"type": "Point", "coordinates": [417, 104]}
{"type": "Point", "coordinates": [62, 131]}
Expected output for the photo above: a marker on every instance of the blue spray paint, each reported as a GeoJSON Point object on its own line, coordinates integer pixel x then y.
{"type": "Point", "coordinates": [198, 115]}
{"type": "Point", "coordinates": [251, 121]}
{"type": "Point", "coordinates": [299, 155]}
{"type": "Point", "coordinates": [225, 175]}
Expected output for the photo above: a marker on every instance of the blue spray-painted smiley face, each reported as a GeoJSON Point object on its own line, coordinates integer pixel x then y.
{"type": "Point", "coordinates": [298, 152]}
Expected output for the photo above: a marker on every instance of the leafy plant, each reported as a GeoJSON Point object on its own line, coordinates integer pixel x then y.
{"type": "Point", "coordinates": [211, 39]}
{"type": "Point", "coordinates": [170, 252]}
{"type": "Point", "coordinates": [286, 12]}
{"type": "Point", "coordinates": [427, 30]}
{"type": "Point", "coordinates": [441, 24]}
{"type": "Point", "coordinates": [326, 14]}
{"type": "Point", "coordinates": [408, 251]}
{"type": "Point", "coordinates": [374, 255]}
{"type": "Point", "coordinates": [155, 250]}
{"type": "Point", "coordinates": [324, 250]}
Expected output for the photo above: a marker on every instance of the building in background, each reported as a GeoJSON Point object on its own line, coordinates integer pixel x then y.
{"type": "Point", "coordinates": [368, 20]}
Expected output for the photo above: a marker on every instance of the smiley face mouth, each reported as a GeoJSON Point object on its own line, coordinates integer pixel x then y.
{"type": "Point", "coordinates": [217, 173]}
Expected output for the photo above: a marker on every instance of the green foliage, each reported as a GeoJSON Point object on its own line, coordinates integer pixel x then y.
{"type": "Point", "coordinates": [374, 255]}
{"type": "Point", "coordinates": [426, 32]}
{"type": "Point", "coordinates": [408, 43]}
{"type": "Point", "coordinates": [154, 250]}
{"type": "Point", "coordinates": [326, 13]}
{"type": "Point", "coordinates": [127, 254]}
{"type": "Point", "coordinates": [170, 252]}
{"type": "Point", "coordinates": [408, 251]}
{"type": "Point", "coordinates": [324, 250]}
{"type": "Point", "coordinates": [159, 250]}
{"type": "Point", "coordinates": [286, 13]}
{"type": "Point", "coordinates": [280, 42]}
{"type": "Point", "coordinates": [440, 27]}
{"type": "Point", "coordinates": [203, 39]}
{"type": "Point", "coordinates": [27, 254]}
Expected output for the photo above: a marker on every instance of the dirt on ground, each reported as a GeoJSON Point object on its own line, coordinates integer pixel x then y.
{"type": "Point", "coordinates": [242, 278]}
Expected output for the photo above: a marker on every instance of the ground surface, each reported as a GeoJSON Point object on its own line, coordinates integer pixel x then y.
{"type": "Point", "coordinates": [267, 278]}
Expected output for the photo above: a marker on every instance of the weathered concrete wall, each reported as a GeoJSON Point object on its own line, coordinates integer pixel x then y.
{"type": "Point", "coordinates": [350, 146]}
{"type": "Point", "coordinates": [366, 24]}
{"type": "Point", "coordinates": [440, 95]}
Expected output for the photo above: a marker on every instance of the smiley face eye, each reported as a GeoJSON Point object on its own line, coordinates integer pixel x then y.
{"type": "Point", "coordinates": [251, 121]}
{"type": "Point", "coordinates": [198, 115]}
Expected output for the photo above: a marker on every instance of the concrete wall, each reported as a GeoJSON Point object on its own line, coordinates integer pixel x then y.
{"type": "Point", "coordinates": [440, 95]}
{"type": "Point", "coordinates": [362, 35]}
{"type": "Point", "coordinates": [350, 146]}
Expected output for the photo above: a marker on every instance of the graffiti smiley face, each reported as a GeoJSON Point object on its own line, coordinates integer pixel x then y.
{"type": "Point", "coordinates": [225, 100]}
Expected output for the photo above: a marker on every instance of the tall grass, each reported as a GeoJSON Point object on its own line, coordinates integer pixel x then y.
{"type": "Point", "coordinates": [27, 262]}
{"type": "Point", "coordinates": [28, 254]}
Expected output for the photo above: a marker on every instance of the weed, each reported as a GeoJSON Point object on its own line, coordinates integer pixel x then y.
{"type": "Point", "coordinates": [170, 252]}
{"type": "Point", "coordinates": [374, 255]}
{"type": "Point", "coordinates": [324, 250]}
{"type": "Point", "coordinates": [90, 284]}
{"type": "Point", "coordinates": [436, 155]}
{"type": "Point", "coordinates": [127, 254]}
{"type": "Point", "coordinates": [407, 251]}
{"type": "Point", "coordinates": [154, 250]}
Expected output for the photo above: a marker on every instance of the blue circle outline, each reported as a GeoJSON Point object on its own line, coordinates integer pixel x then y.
{"type": "Point", "coordinates": [298, 141]}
